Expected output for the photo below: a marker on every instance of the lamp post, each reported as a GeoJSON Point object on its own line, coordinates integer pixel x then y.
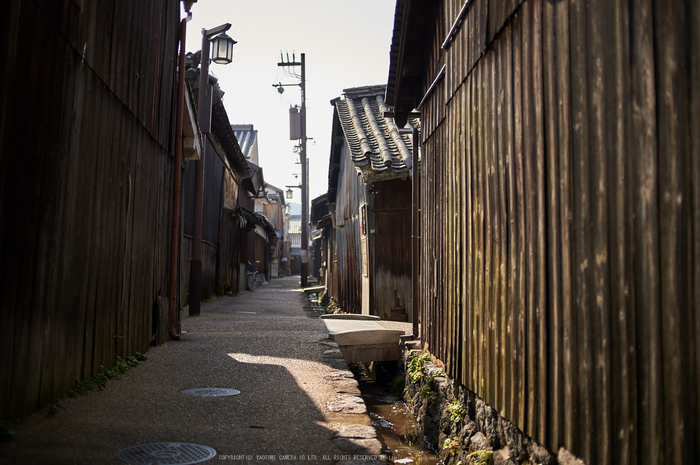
{"type": "Point", "coordinates": [222, 46]}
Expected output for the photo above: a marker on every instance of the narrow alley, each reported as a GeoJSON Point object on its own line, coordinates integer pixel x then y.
{"type": "Point", "coordinates": [497, 202]}
{"type": "Point", "coordinates": [268, 345]}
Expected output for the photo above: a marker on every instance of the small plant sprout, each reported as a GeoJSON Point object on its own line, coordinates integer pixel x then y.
{"type": "Point", "coordinates": [457, 411]}
{"type": "Point", "coordinates": [415, 367]}
{"type": "Point", "coordinates": [427, 392]}
{"type": "Point", "coordinates": [99, 381]}
{"type": "Point", "coordinates": [481, 457]}
{"type": "Point", "coordinates": [52, 408]}
{"type": "Point", "coordinates": [397, 385]}
{"type": "Point", "coordinates": [7, 431]}
{"type": "Point", "coordinates": [451, 444]}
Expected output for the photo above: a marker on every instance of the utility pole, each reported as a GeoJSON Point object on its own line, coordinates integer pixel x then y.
{"type": "Point", "coordinates": [304, 172]}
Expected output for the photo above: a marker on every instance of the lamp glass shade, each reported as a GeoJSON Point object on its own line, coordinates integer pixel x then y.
{"type": "Point", "coordinates": [222, 49]}
{"type": "Point", "coordinates": [290, 193]}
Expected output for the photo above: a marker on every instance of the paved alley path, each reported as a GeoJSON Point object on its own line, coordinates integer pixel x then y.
{"type": "Point", "coordinates": [266, 344]}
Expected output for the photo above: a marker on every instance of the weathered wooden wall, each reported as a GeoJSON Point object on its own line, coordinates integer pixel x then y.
{"type": "Point", "coordinates": [220, 234]}
{"type": "Point", "coordinates": [391, 246]}
{"type": "Point", "coordinates": [561, 281]}
{"type": "Point", "coordinates": [352, 193]}
{"type": "Point", "coordinates": [229, 254]}
{"type": "Point", "coordinates": [331, 277]}
{"type": "Point", "coordinates": [86, 133]}
{"type": "Point", "coordinates": [261, 252]}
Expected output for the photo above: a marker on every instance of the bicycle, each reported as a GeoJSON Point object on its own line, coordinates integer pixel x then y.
{"type": "Point", "coordinates": [251, 277]}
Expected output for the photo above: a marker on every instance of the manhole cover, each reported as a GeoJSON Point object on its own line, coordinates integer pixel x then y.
{"type": "Point", "coordinates": [162, 453]}
{"type": "Point", "coordinates": [211, 392]}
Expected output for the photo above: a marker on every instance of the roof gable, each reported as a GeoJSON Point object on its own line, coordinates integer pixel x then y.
{"type": "Point", "coordinates": [379, 151]}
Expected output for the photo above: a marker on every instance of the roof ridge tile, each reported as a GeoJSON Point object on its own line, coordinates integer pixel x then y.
{"type": "Point", "coordinates": [359, 130]}
{"type": "Point", "coordinates": [384, 152]}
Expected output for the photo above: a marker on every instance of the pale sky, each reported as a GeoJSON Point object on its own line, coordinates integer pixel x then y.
{"type": "Point", "coordinates": [346, 43]}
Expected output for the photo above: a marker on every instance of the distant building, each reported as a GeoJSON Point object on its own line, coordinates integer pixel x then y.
{"type": "Point", "coordinates": [276, 210]}
{"type": "Point", "coordinates": [295, 242]}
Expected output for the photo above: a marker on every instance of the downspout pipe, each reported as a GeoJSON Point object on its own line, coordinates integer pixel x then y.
{"type": "Point", "coordinates": [415, 238]}
{"type": "Point", "coordinates": [172, 320]}
{"type": "Point", "coordinates": [415, 230]}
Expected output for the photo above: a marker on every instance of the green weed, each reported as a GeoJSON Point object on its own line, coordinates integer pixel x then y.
{"type": "Point", "coordinates": [427, 392]}
{"type": "Point", "coordinates": [52, 408]}
{"type": "Point", "coordinates": [481, 457]}
{"type": "Point", "coordinates": [398, 385]}
{"type": "Point", "coordinates": [457, 411]}
{"type": "Point", "coordinates": [415, 367]}
{"type": "Point", "coordinates": [451, 444]}
{"type": "Point", "coordinates": [7, 431]}
{"type": "Point", "coordinates": [412, 439]}
{"type": "Point", "coordinates": [99, 381]}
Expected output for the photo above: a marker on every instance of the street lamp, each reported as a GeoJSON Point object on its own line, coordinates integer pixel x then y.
{"type": "Point", "coordinates": [222, 49]}
{"type": "Point", "coordinates": [290, 193]}
{"type": "Point", "coordinates": [223, 54]}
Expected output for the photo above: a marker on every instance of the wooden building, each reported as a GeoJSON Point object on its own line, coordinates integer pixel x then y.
{"type": "Point", "coordinates": [563, 285]}
{"type": "Point", "coordinates": [275, 209]}
{"type": "Point", "coordinates": [320, 219]}
{"type": "Point", "coordinates": [257, 243]}
{"type": "Point", "coordinates": [259, 237]}
{"type": "Point", "coordinates": [227, 177]}
{"type": "Point", "coordinates": [369, 197]}
{"type": "Point", "coordinates": [87, 119]}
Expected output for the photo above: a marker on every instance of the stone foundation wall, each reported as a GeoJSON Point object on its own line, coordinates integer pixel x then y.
{"type": "Point", "coordinates": [457, 423]}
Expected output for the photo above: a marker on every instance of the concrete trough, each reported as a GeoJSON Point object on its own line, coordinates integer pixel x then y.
{"type": "Point", "coordinates": [362, 340]}
{"type": "Point", "coordinates": [349, 316]}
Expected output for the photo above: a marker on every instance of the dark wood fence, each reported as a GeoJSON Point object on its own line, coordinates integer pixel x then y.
{"type": "Point", "coordinates": [86, 134]}
{"type": "Point", "coordinates": [561, 230]}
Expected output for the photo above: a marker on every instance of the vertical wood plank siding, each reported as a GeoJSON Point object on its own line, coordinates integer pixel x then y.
{"type": "Point", "coordinates": [391, 212]}
{"type": "Point", "coordinates": [352, 193]}
{"type": "Point", "coordinates": [86, 141]}
{"type": "Point", "coordinates": [560, 279]}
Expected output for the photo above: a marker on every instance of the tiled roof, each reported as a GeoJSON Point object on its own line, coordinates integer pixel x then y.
{"type": "Point", "coordinates": [258, 218]}
{"type": "Point", "coordinates": [246, 136]}
{"type": "Point", "coordinates": [379, 151]}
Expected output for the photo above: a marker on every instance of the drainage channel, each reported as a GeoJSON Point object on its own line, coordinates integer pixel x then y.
{"type": "Point", "coordinates": [396, 427]}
